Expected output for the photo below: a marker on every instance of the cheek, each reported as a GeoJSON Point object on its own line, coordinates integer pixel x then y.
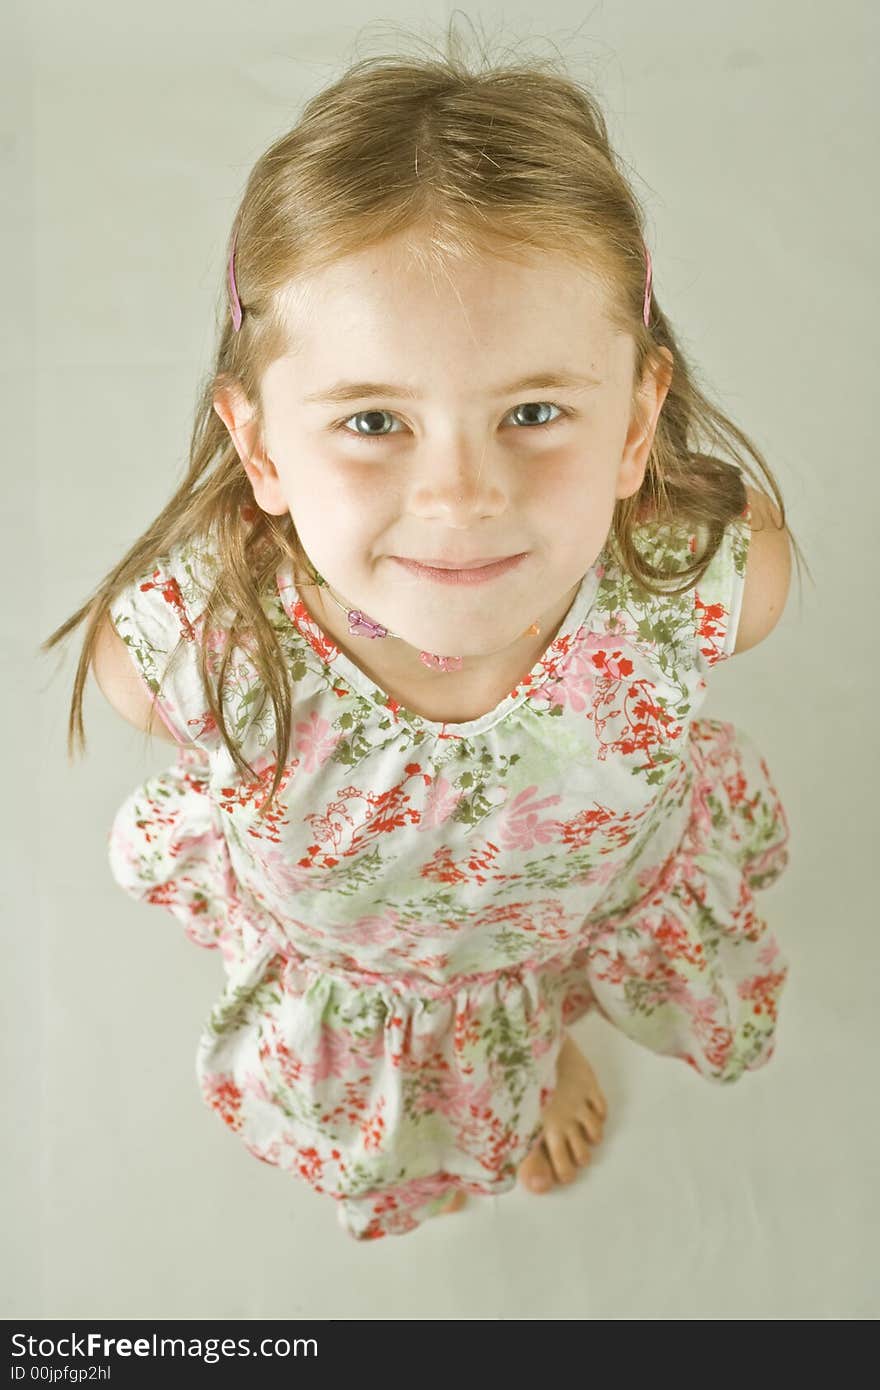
{"type": "Point", "coordinates": [566, 485]}
{"type": "Point", "coordinates": [339, 516]}
{"type": "Point", "coordinates": [573, 504]}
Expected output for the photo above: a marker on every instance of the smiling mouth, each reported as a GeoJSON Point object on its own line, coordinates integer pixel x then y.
{"type": "Point", "coordinates": [474, 573]}
{"type": "Point", "coordinates": [456, 564]}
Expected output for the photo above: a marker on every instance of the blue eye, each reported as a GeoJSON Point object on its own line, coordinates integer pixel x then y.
{"type": "Point", "coordinates": [371, 438]}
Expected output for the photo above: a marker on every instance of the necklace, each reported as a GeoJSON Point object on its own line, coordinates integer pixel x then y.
{"type": "Point", "coordinates": [359, 625]}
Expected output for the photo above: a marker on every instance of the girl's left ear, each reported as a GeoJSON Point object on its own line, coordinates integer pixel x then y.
{"type": "Point", "coordinates": [237, 416]}
{"type": "Point", "coordinates": [657, 389]}
{"type": "Point", "coordinates": [643, 427]}
{"type": "Point", "coordinates": [665, 373]}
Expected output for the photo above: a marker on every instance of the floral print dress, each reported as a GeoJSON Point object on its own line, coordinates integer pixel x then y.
{"type": "Point", "coordinates": [406, 937]}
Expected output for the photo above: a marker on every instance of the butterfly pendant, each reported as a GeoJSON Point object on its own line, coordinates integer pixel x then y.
{"type": "Point", "coordinates": [359, 625]}
{"type": "Point", "coordinates": [442, 663]}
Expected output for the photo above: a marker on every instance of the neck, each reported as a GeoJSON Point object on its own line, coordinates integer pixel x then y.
{"type": "Point", "coordinates": [396, 667]}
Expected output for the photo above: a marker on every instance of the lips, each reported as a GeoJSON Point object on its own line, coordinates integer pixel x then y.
{"type": "Point", "coordinates": [456, 564]}
{"type": "Point", "coordinates": [473, 572]}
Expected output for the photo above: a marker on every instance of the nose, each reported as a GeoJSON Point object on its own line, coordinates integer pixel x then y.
{"type": "Point", "coordinates": [459, 483]}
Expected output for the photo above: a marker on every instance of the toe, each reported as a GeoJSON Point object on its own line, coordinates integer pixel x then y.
{"type": "Point", "coordinates": [591, 1122]}
{"type": "Point", "coordinates": [560, 1156]}
{"type": "Point", "coordinates": [535, 1171]}
{"type": "Point", "coordinates": [580, 1148]}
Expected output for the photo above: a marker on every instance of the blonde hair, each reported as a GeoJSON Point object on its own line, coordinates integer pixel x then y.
{"type": "Point", "coordinates": [498, 160]}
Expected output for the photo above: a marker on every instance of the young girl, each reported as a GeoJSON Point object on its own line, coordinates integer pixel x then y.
{"type": "Point", "coordinates": [431, 619]}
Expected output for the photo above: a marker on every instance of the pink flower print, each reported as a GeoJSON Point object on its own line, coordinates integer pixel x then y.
{"type": "Point", "coordinates": [255, 1086]}
{"type": "Point", "coordinates": [372, 930]}
{"type": "Point", "coordinates": [542, 1044]}
{"type": "Point", "coordinates": [280, 877]}
{"type": "Point", "coordinates": [659, 879]}
{"type": "Point", "coordinates": [316, 741]}
{"type": "Point", "coordinates": [716, 1037]}
{"type": "Point", "coordinates": [616, 666]}
{"type": "Point", "coordinates": [573, 687]}
{"type": "Point", "coordinates": [441, 801]}
{"type": "Point", "coordinates": [701, 1010]}
{"type": "Point", "coordinates": [459, 1098]}
{"type": "Point", "coordinates": [267, 1153]}
{"type": "Point", "coordinates": [122, 852]}
{"type": "Point", "coordinates": [603, 873]}
{"type": "Point", "coordinates": [700, 823]}
{"type": "Point", "coordinates": [229, 948]}
{"type": "Point", "coordinates": [214, 639]}
{"type": "Point", "coordinates": [340, 1054]}
{"type": "Point", "coordinates": [521, 828]}
{"type": "Point", "coordinates": [769, 951]}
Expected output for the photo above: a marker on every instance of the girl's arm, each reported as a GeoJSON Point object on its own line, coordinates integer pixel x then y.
{"type": "Point", "coordinates": [121, 683]}
{"type": "Point", "coordinates": [768, 572]}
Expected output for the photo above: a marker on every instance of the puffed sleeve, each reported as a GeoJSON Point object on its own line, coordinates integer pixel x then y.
{"type": "Point", "coordinates": [718, 595]}
{"type": "Point", "coordinates": [152, 614]}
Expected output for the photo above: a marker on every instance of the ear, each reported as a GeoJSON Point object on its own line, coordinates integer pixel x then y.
{"type": "Point", "coordinates": [643, 426]}
{"type": "Point", "coordinates": [238, 416]}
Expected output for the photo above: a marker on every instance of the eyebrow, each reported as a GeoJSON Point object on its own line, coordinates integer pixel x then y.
{"type": "Point", "coordinates": [355, 390]}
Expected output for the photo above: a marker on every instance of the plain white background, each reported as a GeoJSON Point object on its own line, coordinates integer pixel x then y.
{"type": "Point", "coordinates": [127, 135]}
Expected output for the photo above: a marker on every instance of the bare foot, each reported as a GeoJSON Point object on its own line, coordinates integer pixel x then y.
{"type": "Point", "coordinates": [572, 1120]}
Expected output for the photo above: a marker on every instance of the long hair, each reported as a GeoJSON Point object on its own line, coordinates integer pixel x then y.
{"type": "Point", "coordinates": [498, 159]}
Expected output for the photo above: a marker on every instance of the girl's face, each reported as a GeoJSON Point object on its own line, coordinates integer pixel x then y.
{"type": "Point", "coordinates": [471, 449]}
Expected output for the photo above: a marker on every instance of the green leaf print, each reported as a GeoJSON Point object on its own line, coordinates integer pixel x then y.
{"type": "Point", "coordinates": [235, 1008]}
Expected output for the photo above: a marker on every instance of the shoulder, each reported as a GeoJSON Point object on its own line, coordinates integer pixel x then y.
{"type": "Point", "coordinates": [159, 614]}
{"type": "Point", "coordinates": [172, 589]}
{"type": "Point", "coordinates": [768, 572]}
